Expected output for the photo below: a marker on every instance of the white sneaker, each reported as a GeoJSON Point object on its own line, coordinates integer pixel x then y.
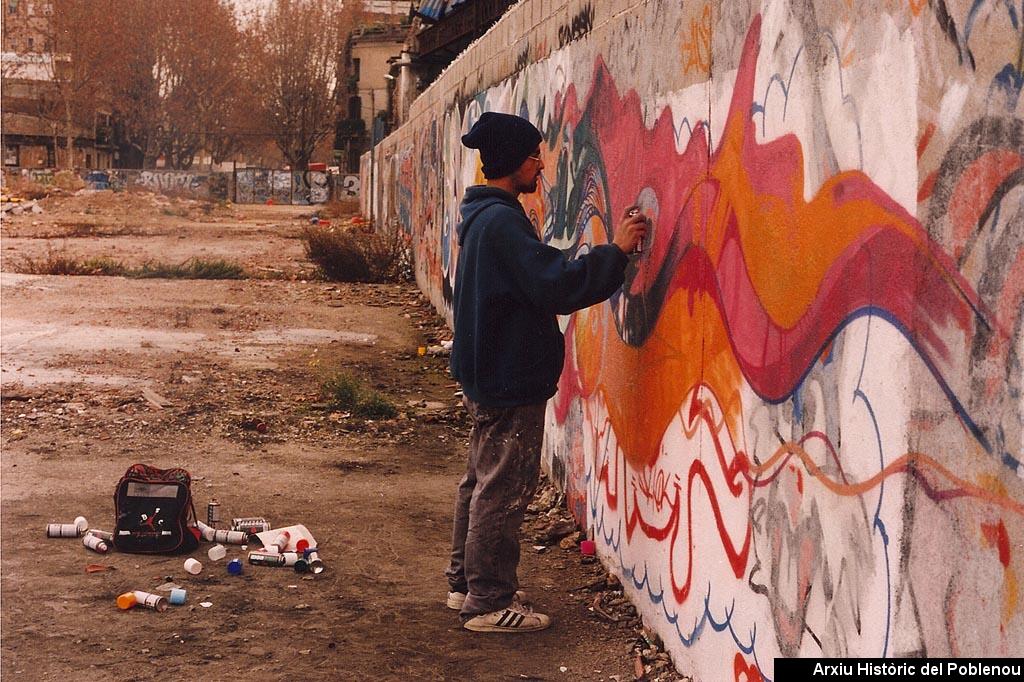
{"type": "Point", "coordinates": [456, 599]}
{"type": "Point", "coordinates": [515, 618]}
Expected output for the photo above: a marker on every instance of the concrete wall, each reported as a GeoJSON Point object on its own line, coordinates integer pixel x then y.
{"type": "Point", "coordinates": [798, 428]}
{"type": "Point", "coordinates": [250, 185]}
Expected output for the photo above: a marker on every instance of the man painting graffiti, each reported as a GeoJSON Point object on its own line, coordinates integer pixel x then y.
{"type": "Point", "coordinates": [508, 354]}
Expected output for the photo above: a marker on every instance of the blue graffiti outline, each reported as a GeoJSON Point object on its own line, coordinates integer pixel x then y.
{"type": "Point", "coordinates": [878, 524]}
{"type": "Point", "coordinates": [845, 97]}
{"type": "Point", "coordinates": [972, 15]}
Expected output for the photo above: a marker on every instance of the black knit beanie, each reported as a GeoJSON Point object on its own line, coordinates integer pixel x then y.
{"type": "Point", "coordinates": [504, 142]}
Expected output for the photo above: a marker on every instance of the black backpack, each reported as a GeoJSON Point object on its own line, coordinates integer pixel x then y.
{"type": "Point", "coordinates": [153, 511]}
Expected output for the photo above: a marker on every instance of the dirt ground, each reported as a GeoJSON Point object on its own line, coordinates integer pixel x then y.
{"type": "Point", "coordinates": [99, 373]}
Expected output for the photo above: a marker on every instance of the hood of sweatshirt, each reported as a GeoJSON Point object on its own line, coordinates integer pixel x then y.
{"type": "Point", "coordinates": [478, 198]}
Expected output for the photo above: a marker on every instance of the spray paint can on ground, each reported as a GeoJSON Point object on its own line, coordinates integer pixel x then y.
{"type": "Point", "coordinates": [205, 531]}
{"type": "Point", "coordinates": [104, 535]}
{"type": "Point", "coordinates": [150, 600]}
{"type": "Point", "coordinates": [230, 537]}
{"type": "Point", "coordinates": [213, 513]}
{"type": "Point", "coordinates": [313, 563]}
{"type": "Point", "coordinates": [250, 524]}
{"type": "Point", "coordinates": [63, 530]}
{"type": "Point", "coordinates": [95, 544]}
{"type": "Point", "coordinates": [280, 542]}
{"type": "Point", "coordinates": [273, 558]}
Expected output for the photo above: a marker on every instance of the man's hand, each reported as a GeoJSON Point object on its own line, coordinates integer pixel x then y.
{"type": "Point", "coordinates": [631, 230]}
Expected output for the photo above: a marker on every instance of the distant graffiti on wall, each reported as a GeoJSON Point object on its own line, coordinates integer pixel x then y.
{"type": "Point", "coordinates": [346, 186]}
{"type": "Point", "coordinates": [178, 183]}
{"type": "Point", "coordinates": [797, 429]}
{"type": "Point", "coordinates": [260, 185]}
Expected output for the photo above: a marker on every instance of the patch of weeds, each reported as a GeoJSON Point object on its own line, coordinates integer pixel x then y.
{"type": "Point", "coordinates": [335, 254]}
{"type": "Point", "coordinates": [376, 406]}
{"type": "Point", "coordinates": [195, 268]}
{"type": "Point", "coordinates": [104, 266]}
{"type": "Point", "coordinates": [63, 265]}
{"type": "Point", "coordinates": [351, 257]}
{"type": "Point", "coordinates": [345, 392]}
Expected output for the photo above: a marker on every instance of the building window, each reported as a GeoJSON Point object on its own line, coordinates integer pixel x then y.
{"type": "Point", "coordinates": [51, 157]}
{"type": "Point", "coordinates": [88, 160]}
{"type": "Point", "coordinates": [12, 6]}
{"type": "Point", "coordinates": [31, 44]}
{"type": "Point", "coordinates": [10, 155]}
{"type": "Point", "coordinates": [355, 67]}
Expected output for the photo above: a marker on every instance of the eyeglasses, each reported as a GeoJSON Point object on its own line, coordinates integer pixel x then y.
{"type": "Point", "coordinates": [535, 157]}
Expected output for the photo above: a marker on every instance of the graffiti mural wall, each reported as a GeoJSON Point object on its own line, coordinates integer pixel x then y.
{"type": "Point", "coordinates": [797, 429]}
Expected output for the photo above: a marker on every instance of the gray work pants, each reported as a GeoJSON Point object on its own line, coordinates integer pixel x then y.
{"type": "Point", "coordinates": [501, 478]}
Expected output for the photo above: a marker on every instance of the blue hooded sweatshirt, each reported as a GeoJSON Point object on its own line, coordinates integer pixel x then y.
{"type": "Point", "coordinates": [509, 286]}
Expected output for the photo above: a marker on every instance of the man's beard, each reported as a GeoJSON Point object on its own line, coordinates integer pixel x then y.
{"type": "Point", "coordinates": [529, 188]}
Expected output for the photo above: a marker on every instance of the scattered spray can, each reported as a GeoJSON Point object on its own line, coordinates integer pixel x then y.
{"type": "Point", "coordinates": [229, 537]}
{"type": "Point", "coordinates": [205, 531]}
{"type": "Point", "coordinates": [313, 562]}
{"type": "Point", "coordinates": [213, 513]}
{"type": "Point", "coordinates": [105, 535]}
{"type": "Point", "coordinates": [150, 600]}
{"type": "Point", "coordinates": [268, 559]}
{"type": "Point", "coordinates": [280, 542]}
{"type": "Point", "coordinates": [63, 530]}
{"type": "Point", "coordinates": [95, 544]}
{"type": "Point", "coordinates": [250, 524]}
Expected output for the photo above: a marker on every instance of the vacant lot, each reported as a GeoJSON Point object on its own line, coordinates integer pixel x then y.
{"type": "Point", "coordinates": [101, 372]}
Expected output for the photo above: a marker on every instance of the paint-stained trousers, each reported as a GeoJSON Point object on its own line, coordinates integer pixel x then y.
{"type": "Point", "coordinates": [501, 478]}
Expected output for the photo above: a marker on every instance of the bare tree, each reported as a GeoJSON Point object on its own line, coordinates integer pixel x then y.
{"type": "Point", "coordinates": [295, 51]}
{"type": "Point", "coordinates": [75, 53]}
{"type": "Point", "coordinates": [177, 88]}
